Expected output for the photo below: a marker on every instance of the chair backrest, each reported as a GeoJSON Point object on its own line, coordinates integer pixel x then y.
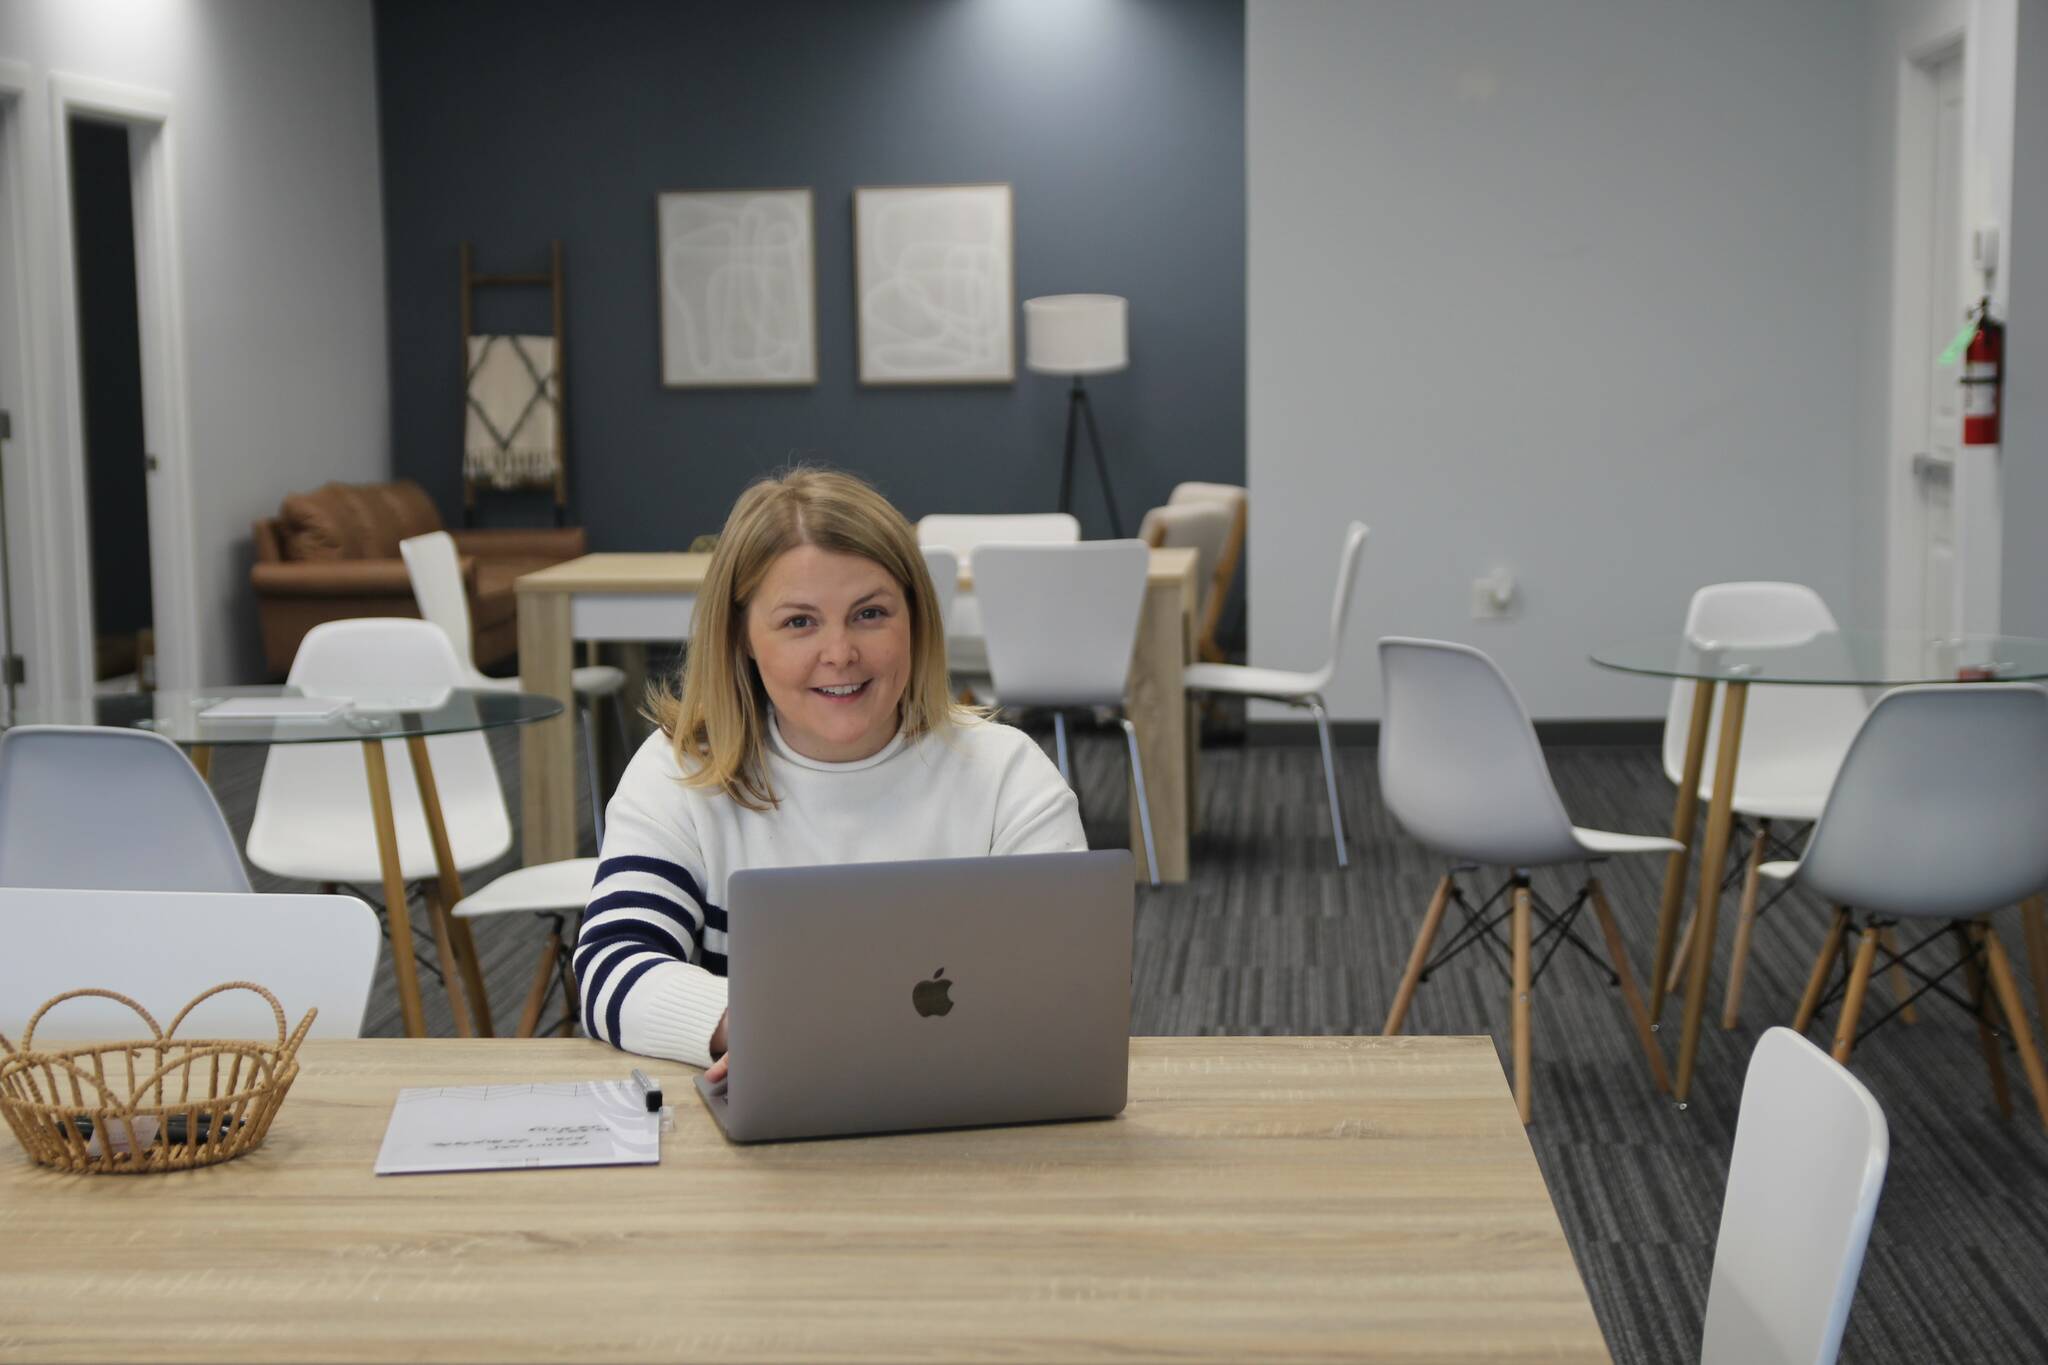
{"type": "Point", "coordinates": [943, 564]}
{"type": "Point", "coordinates": [964, 534]}
{"type": "Point", "coordinates": [436, 572]}
{"type": "Point", "coordinates": [1203, 527]}
{"type": "Point", "coordinates": [1061, 620]}
{"type": "Point", "coordinates": [1811, 1147]}
{"type": "Point", "coordinates": [1940, 809]}
{"type": "Point", "coordinates": [1460, 766]}
{"type": "Point", "coordinates": [324, 785]}
{"type": "Point", "coordinates": [1236, 500]}
{"type": "Point", "coordinates": [93, 807]}
{"type": "Point", "coordinates": [162, 948]}
{"type": "Point", "coordinates": [1340, 600]}
{"type": "Point", "coordinates": [1780, 725]}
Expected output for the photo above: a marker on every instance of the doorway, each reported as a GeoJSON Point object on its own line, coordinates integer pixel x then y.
{"type": "Point", "coordinates": [110, 380]}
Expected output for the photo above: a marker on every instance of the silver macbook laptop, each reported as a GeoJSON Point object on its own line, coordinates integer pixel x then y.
{"type": "Point", "coordinates": [883, 997]}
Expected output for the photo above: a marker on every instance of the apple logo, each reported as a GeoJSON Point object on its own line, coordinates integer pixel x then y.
{"type": "Point", "coordinates": [930, 997]}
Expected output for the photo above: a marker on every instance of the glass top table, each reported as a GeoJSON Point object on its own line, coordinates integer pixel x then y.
{"type": "Point", "coordinates": [1853, 658]}
{"type": "Point", "coordinates": [177, 716]}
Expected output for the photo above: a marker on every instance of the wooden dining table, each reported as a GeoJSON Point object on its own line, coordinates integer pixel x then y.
{"type": "Point", "coordinates": [635, 598]}
{"type": "Point", "coordinates": [1356, 1199]}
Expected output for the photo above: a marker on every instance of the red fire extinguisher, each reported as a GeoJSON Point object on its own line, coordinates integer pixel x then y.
{"type": "Point", "coordinates": [1983, 379]}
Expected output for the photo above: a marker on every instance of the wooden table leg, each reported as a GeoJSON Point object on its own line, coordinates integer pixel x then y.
{"type": "Point", "coordinates": [404, 964]}
{"type": "Point", "coordinates": [446, 925]}
{"type": "Point", "coordinates": [1158, 708]}
{"type": "Point", "coordinates": [1720, 821]}
{"type": "Point", "coordinates": [547, 750]}
{"type": "Point", "coordinates": [1682, 818]}
{"type": "Point", "coordinates": [202, 759]}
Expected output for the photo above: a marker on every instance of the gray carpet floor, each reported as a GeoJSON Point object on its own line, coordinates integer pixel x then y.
{"type": "Point", "coordinates": [1270, 937]}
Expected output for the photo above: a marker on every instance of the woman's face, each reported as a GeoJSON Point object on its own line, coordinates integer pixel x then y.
{"type": "Point", "coordinates": [830, 634]}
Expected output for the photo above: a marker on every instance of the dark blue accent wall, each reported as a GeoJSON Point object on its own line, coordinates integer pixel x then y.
{"type": "Point", "coordinates": [1120, 123]}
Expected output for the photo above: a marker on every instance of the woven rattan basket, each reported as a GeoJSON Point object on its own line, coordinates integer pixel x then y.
{"type": "Point", "coordinates": [160, 1104]}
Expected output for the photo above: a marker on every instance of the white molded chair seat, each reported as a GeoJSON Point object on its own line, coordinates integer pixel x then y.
{"type": "Point", "coordinates": [963, 534]}
{"type": "Point", "coordinates": [563, 886]}
{"type": "Point", "coordinates": [1811, 1148]}
{"type": "Point", "coordinates": [162, 948]}
{"type": "Point", "coordinates": [64, 788]}
{"type": "Point", "coordinates": [1243, 680]}
{"type": "Point", "coordinates": [1462, 772]}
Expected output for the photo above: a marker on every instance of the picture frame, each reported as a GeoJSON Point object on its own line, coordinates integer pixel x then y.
{"type": "Point", "coordinates": [739, 288]}
{"type": "Point", "coordinates": [935, 284]}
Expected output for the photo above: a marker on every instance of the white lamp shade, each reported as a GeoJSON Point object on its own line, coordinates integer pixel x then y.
{"type": "Point", "coordinates": [1075, 334]}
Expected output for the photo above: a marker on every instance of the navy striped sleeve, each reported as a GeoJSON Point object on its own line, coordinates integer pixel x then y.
{"type": "Point", "coordinates": [642, 911]}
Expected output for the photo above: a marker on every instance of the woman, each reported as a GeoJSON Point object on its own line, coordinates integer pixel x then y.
{"type": "Point", "coordinates": [815, 726]}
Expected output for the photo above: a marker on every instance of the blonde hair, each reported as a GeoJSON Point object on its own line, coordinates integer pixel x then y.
{"type": "Point", "coordinates": [719, 725]}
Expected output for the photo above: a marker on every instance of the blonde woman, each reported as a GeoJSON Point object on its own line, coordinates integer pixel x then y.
{"type": "Point", "coordinates": [815, 726]}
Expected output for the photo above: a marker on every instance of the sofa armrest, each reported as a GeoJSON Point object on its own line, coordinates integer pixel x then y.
{"type": "Point", "coordinates": [338, 578]}
{"type": "Point", "coordinates": [535, 542]}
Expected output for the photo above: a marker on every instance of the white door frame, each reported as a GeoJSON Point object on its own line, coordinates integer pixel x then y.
{"type": "Point", "coordinates": [1984, 30]}
{"type": "Point", "coordinates": [166, 420]}
{"type": "Point", "coordinates": [21, 107]}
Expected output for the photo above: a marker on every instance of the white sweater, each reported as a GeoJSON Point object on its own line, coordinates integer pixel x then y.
{"type": "Point", "coordinates": [651, 958]}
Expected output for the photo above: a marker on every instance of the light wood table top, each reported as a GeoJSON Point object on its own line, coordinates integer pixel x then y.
{"type": "Point", "coordinates": [682, 572]}
{"type": "Point", "coordinates": [1280, 1198]}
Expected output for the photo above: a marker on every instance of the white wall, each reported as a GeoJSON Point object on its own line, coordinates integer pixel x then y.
{"type": "Point", "coordinates": [2026, 377]}
{"type": "Point", "coordinates": [1572, 288]}
{"type": "Point", "coordinates": [281, 236]}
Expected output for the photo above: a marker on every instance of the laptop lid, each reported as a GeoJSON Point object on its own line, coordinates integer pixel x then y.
{"type": "Point", "coordinates": [889, 996]}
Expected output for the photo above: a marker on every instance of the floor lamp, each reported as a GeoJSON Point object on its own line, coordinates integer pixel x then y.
{"type": "Point", "coordinates": [1078, 334]}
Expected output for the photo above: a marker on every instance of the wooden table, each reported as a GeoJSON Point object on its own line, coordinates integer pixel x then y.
{"type": "Point", "coordinates": [1271, 1198]}
{"type": "Point", "coordinates": [637, 597]}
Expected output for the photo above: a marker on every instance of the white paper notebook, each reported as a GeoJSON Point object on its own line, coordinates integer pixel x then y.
{"type": "Point", "coordinates": [510, 1127]}
{"type": "Point", "coordinates": [275, 708]}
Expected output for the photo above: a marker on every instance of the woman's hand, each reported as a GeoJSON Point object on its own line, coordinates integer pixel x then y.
{"type": "Point", "coordinates": [718, 1065]}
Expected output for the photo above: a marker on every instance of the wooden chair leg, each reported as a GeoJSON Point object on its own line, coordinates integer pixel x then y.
{"type": "Point", "coordinates": [2034, 924]}
{"type": "Point", "coordinates": [1639, 1013]}
{"type": "Point", "coordinates": [1745, 920]}
{"type": "Point", "coordinates": [1674, 983]}
{"type": "Point", "coordinates": [2016, 1019]}
{"type": "Point", "coordinates": [1424, 941]}
{"type": "Point", "coordinates": [1980, 999]}
{"type": "Point", "coordinates": [537, 994]}
{"type": "Point", "coordinates": [1525, 1097]}
{"type": "Point", "coordinates": [1817, 980]}
{"type": "Point", "coordinates": [451, 967]}
{"type": "Point", "coordinates": [1896, 974]}
{"type": "Point", "coordinates": [1852, 1004]}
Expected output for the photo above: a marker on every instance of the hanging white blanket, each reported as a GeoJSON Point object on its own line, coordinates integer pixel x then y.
{"type": "Point", "coordinates": [512, 439]}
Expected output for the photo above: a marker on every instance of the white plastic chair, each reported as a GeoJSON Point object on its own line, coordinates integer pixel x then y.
{"type": "Point", "coordinates": [313, 820]}
{"type": "Point", "coordinates": [96, 807]}
{"type": "Point", "coordinates": [1793, 739]}
{"type": "Point", "coordinates": [966, 648]}
{"type": "Point", "coordinates": [1936, 818]}
{"type": "Point", "coordinates": [1811, 1147]}
{"type": "Point", "coordinates": [435, 568]}
{"type": "Point", "coordinates": [1461, 771]}
{"type": "Point", "coordinates": [943, 565]}
{"type": "Point", "coordinates": [162, 948]}
{"type": "Point", "coordinates": [1062, 621]}
{"type": "Point", "coordinates": [1301, 689]}
{"type": "Point", "coordinates": [556, 892]}
{"type": "Point", "coordinates": [1223, 572]}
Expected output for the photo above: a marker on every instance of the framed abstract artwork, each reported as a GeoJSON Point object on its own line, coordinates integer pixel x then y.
{"type": "Point", "coordinates": [934, 284]}
{"type": "Point", "coordinates": [739, 297]}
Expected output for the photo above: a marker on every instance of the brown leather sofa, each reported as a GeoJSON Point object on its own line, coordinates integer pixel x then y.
{"type": "Point", "coordinates": [333, 553]}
